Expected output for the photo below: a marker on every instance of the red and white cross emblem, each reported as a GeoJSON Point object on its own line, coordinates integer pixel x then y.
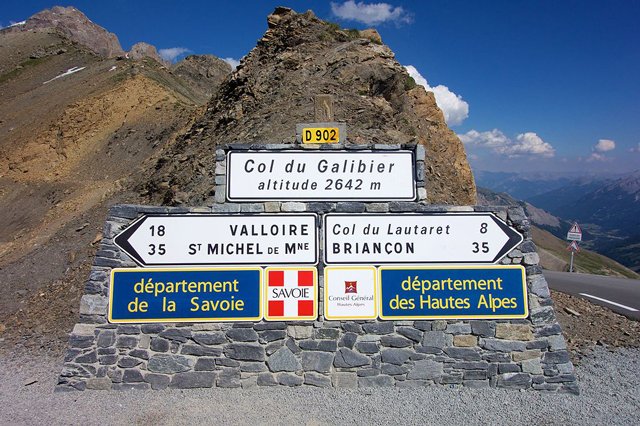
{"type": "Point", "coordinates": [291, 293]}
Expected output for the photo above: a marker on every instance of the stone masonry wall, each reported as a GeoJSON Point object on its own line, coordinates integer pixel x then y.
{"type": "Point", "coordinates": [520, 354]}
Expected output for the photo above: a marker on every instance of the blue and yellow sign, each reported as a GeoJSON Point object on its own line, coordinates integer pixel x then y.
{"type": "Point", "coordinates": [453, 292]}
{"type": "Point", "coordinates": [193, 295]}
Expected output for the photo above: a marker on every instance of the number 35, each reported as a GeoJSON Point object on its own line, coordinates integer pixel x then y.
{"type": "Point", "coordinates": [477, 247]}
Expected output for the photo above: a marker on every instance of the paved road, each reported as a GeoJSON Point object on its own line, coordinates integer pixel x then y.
{"type": "Point", "coordinates": [621, 295]}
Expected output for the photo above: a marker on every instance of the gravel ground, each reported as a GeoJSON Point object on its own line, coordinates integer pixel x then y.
{"type": "Point", "coordinates": [609, 382]}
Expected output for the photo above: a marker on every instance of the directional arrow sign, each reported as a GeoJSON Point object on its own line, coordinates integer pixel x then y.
{"type": "Point", "coordinates": [210, 239]}
{"type": "Point", "coordinates": [417, 238]}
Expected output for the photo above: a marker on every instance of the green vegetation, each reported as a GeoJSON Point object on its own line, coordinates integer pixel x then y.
{"type": "Point", "coordinates": [29, 63]}
{"type": "Point", "coordinates": [353, 33]}
{"type": "Point", "coordinates": [409, 83]}
{"type": "Point", "coordinates": [333, 26]}
{"type": "Point", "coordinates": [119, 77]}
{"type": "Point", "coordinates": [335, 30]}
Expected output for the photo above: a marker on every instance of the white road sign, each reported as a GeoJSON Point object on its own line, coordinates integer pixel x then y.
{"type": "Point", "coordinates": [321, 175]}
{"type": "Point", "coordinates": [211, 239]}
{"type": "Point", "coordinates": [417, 238]}
{"type": "Point", "coordinates": [575, 233]}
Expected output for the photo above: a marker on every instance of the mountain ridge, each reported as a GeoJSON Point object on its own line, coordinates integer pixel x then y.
{"type": "Point", "coordinates": [74, 25]}
{"type": "Point", "coordinates": [273, 88]}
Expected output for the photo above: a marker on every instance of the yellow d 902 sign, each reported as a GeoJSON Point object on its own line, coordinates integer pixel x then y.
{"type": "Point", "coordinates": [320, 135]}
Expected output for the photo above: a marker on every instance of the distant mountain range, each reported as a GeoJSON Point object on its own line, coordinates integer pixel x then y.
{"type": "Point", "coordinates": [607, 208]}
{"type": "Point", "coordinates": [526, 186]}
{"type": "Point", "coordinates": [548, 232]}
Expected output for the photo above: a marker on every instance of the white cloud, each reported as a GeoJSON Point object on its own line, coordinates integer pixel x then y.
{"type": "Point", "coordinates": [454, 108]}
{"type": "Point", "coordinates": [233, 62]}
{"type": "Point", "coordinates": [604, 145]}
{"type": "Point", "coordinates": [636, 148]}
{"type": "Point", "coordinates": [599, 149]}
{"type": "Point", "coordinates": [597, 157]}
{"type": "Point", "coordinates": [491, 139]}
{"type": "Point", "coordinates": [525, 144]}
{"type": "Point", "coordinates": [528, 143]}
{"type": "Point", "coordinates": [171, 53]}
{"type": "Point", "coordinates": [370, 14]}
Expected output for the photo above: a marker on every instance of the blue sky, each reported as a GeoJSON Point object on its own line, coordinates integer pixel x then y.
{"type": "Point", "coordinates": [519, 81]}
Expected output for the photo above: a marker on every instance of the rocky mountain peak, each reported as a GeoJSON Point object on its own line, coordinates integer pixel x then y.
{"type": "Point", "coordinates": [141, 50]}
{"type": "Point", "coordinates": [204, 72]}
{"type": "Point", "coordinates": [74, 25]}
{"type": "Point", "coordinates": [299, 57]}
{"type": "Point", "coordinates": [627, 184]}
{"type": "Point", "coordinates": [631, 184]}
{"type": "Point", "coordinates": [280, 12]}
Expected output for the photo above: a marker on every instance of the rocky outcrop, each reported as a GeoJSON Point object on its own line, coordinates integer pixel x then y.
{"type": "Point", "coordinates": [203, 72]}
{"type": "Point", "coordinates": [301, 56]}
{"type": "Point", "coordinates": [144, 50]}
{"type": "Point", "coordinates": [74, 25]}
{"type": "Point", "coordinates": [372, 34]}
